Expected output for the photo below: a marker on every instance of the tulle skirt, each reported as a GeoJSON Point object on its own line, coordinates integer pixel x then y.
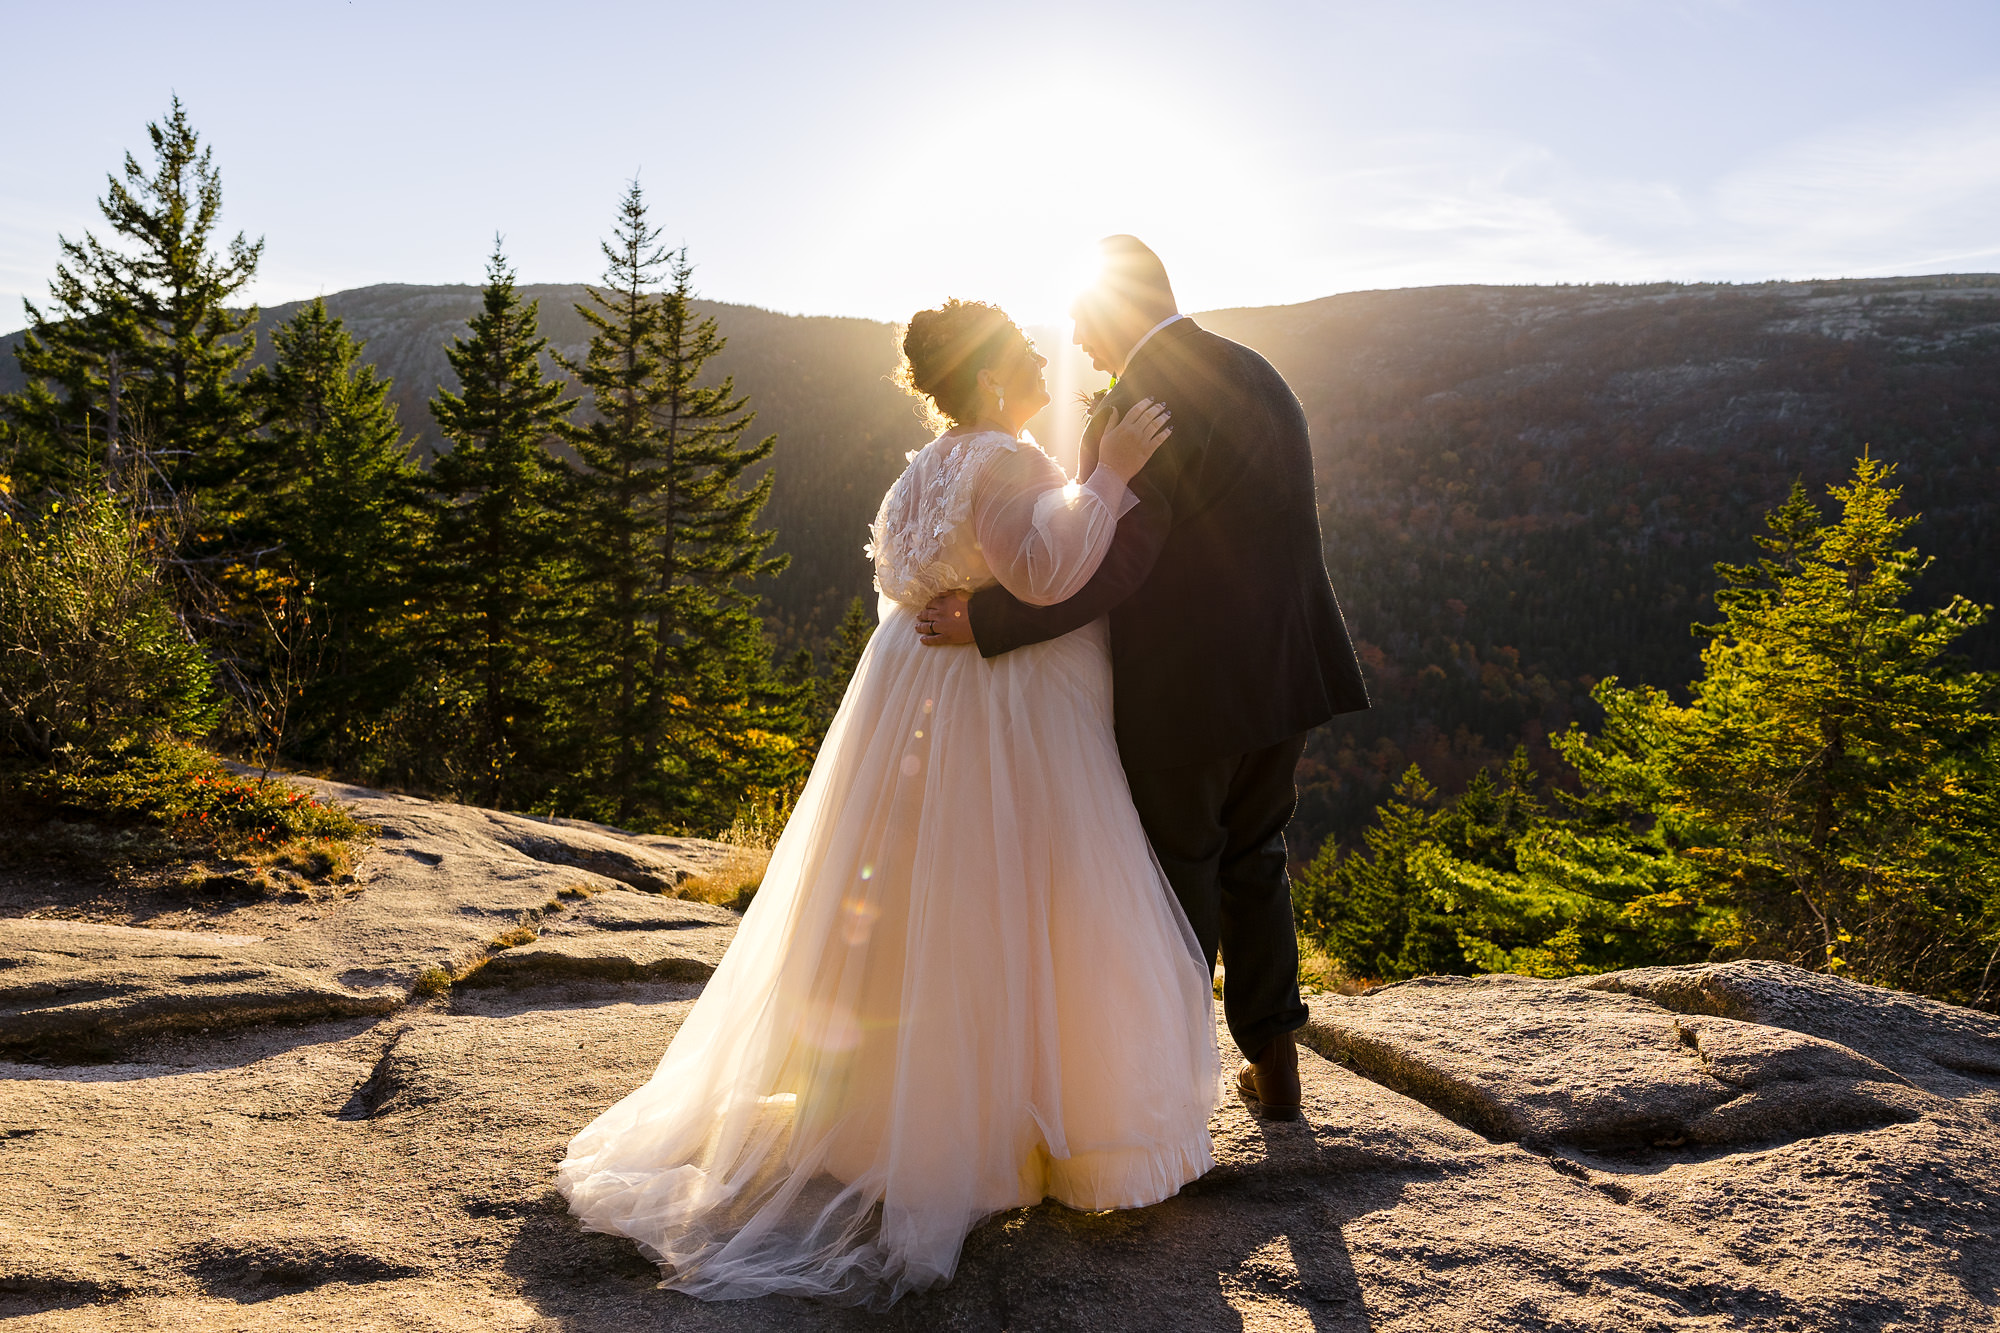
{"type": "Point", "coordinates": [963, 987]}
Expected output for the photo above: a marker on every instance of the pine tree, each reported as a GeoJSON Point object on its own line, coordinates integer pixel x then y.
{"type": "Point", "coordinates": [695, 719]}
{"type": "Point", "coordinates": [729, 725]}
{"type": "Point", "coordinates": [332, 503]}
{"type": "Point", "coordinates": [490, 566]}
{"type": "Point", "coordinates": [850, 641]}
{"type": "Point", "coordinates": [618, 502]}
{"type": "Point", "coordinates": [138, 350]}
{"type": "Point", "coordinates": [1836, 767]}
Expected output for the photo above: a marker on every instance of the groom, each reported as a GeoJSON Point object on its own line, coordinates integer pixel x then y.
{"type": "Point", "coordinates": [1227, 644]}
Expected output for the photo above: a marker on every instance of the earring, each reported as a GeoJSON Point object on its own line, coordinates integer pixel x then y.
{"type": "Point", "coordinates": [999, 401]}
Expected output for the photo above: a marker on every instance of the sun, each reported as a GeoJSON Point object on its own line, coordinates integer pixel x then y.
{"type": "Point", "coordinates": [1003, 197]}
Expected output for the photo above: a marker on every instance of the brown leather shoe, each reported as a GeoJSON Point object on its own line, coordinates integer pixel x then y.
{"type": "Point", "coordinates": [1270, 1083]}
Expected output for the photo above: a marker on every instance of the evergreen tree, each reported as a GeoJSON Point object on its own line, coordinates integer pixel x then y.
{"type": "Point", "coordinates": [1836, 768]}
{"type": "Point", "coordinates": [1491, 882]}
{"type": "Point", "coordinates": [729, 728]}
{"type": "Point", "coordinates": [1370, 912]}
{"type": "Point", "coordinates": [619, 500]}
{"type": "Point", "coordinates": [1541, 896]}
{"type": "Point", "coordinates": [850, 640]}
{"type": "Point", "coordinates": [332, 503]}
{"type": "Point", "coordinates": [138, 350]}
{"type": "Point", "coordinates": [1482, 824]}
{"type": "Point", "coordinates": [695, 719]}
{"type": "Point", "coordinates": [1830, 796]}
{"type": "Point", "coordinates": [494, 610]}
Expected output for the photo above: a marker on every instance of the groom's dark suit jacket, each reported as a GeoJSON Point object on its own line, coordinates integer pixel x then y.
{"type": "Point", "coordinates": [1225, 635]}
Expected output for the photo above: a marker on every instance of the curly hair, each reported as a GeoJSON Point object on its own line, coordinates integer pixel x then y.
{"type": "Point", "coordinates": [945, 349]}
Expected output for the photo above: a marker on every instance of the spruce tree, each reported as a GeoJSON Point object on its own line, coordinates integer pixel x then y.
{"type": "Point", "coordinates": [491, 563]}
{"type": "Point", "coordinates": [137, 351]}
{"type": "Point", "coordinates": [1830, 796]}
{"type": "Point", "coordinates": [1490, 882]}
{"type": "Point", "coordinates": [849, 642]}
{"type": "Point", "coordinates": [332, 503]}
{"type": "Point", "coordinates": [1526, 893]}
{"type": "Point", "coordinates": [618, 502]}
{"type": "Point", "coordinates": [731, 728]}
{"type": "Point", "coordinates": [665, 546]}
{"type": "Point", "coordinates": [1370, 911]}
{"type": "Point", "coordinates": [1836, 767]}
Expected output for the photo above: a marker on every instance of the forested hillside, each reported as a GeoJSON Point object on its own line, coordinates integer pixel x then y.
{"type": "Point", "coordinates": [819, 384]}
{"type": "Point", "coordinates": [1524, 489]}
{"type": "Point", "coordinates": [1640, 695]}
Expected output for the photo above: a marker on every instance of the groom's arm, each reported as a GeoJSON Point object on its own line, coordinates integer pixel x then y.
{"type": "Point", "coordinates": [1002, 622]}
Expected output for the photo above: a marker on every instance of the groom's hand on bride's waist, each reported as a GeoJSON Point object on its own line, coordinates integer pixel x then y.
{"type": "Point", "coordinates": [946, 621]}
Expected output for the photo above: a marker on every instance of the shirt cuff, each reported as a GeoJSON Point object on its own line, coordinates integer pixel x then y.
{"type": "Point", "coordinates": [1112, 493]}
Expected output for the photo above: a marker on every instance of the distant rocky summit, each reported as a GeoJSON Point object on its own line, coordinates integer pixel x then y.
{"type": "Point", "coordinates": [291, 1120]}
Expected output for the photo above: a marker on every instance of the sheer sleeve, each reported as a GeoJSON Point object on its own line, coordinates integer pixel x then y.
{"type": "Point", "coordinates": [1043, 535]}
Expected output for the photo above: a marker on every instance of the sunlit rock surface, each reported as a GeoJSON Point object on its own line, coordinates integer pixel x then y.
{"type": "Point", "coordinates": [440, 891]}
{"type": "Point", "coordinates": [1735, 1147]}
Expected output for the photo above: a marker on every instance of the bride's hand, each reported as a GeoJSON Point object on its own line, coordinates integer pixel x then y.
{"type": "Point", "coordinates": [946, 621]}
{"type": "Point", "coordinates": [1129, 441]}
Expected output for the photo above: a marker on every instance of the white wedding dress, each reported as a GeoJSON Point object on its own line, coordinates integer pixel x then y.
{"type": "Point", "coordinates": [965, 985]}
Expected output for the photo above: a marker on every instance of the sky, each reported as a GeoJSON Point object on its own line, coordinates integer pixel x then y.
{"type": "Point", "coordinates": [870, 159]}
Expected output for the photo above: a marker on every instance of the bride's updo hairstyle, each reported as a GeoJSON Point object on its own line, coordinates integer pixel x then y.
{"type": "Point", "coordinates": [945, 349]}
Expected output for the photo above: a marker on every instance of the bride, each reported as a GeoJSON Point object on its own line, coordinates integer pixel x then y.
{"type": "Point", "coordinates": [964, 985]}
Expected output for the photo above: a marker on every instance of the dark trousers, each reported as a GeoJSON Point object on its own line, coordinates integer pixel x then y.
{"type": "Point", "coordinates": [1219, 831]}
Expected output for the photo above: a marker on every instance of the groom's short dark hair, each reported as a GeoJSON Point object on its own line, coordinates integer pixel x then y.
{"type": "Point", "coordinates": [1133, 276]}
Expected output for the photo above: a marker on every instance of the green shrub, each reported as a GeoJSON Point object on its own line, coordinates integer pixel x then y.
{"type": "Point", "coordinates": [190, 795]}
{"type": "Point", "coordinates": [91, 650]}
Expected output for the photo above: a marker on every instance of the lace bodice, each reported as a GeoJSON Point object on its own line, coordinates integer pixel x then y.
{"type": "Point", "coordinates": [920, 517]}
{"type": "Point", "coordinates": [983, 507]}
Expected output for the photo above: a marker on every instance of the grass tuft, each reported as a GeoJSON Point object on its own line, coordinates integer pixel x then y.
{"type": "Point", "coordinates": [517, 936]}
{"type": "Point", "coordinates": [1320, 973]}
{"type": "Point", "coordinates": [733, 881]}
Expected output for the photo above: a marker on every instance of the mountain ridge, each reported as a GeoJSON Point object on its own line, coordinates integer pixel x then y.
{"type": "Point", "coordinates": [1522, 489]}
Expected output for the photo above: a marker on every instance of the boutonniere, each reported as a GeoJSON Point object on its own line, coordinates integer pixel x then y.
{"type": "Point", "coordinates": [1092, 401]}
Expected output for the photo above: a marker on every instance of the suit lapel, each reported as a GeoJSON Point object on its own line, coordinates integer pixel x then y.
{"type": "Point", "coordinates": [1122, 396]}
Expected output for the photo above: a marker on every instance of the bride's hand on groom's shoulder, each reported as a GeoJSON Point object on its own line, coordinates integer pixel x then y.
{"type": "Point", "coordinates": [946, 621]}
{"type": "Point", "coordinates": [1131, 440]}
